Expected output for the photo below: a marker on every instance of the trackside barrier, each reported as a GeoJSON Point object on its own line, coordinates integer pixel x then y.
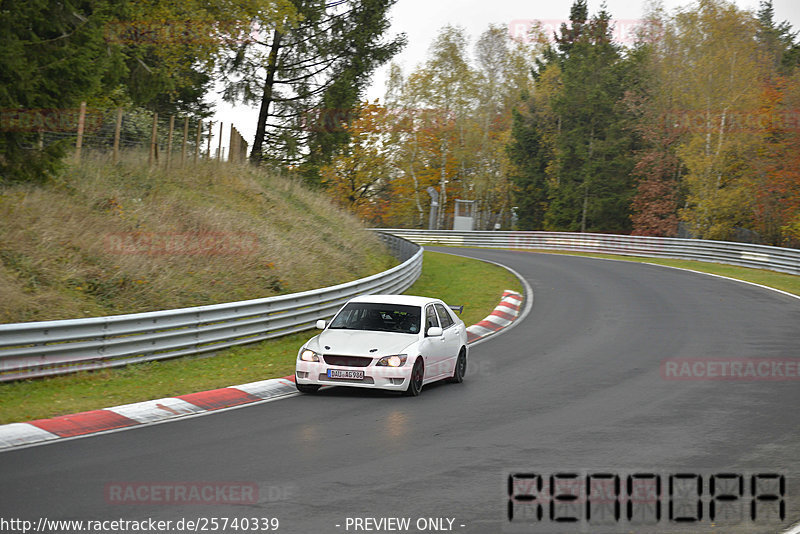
{"type": "Point", "coordinates": [785, 260]}
{"type": "Point", "coordinates": [45, 348]}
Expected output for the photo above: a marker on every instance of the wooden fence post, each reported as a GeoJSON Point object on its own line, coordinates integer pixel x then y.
{"type": "Point", "coordinates": [169, 139]}
{"type": "Point", "coordinates": [197, 142]}
{"type": "Point", "coordinates": [81, 123]}
{"type": "Point", "coordinates": [153, 154]}
{"type": "Point", "coordinates": [232, 146]}
{"type": "Point", "coordinates": [219, 146]}
{"type": "Point", "coordinates": [117, 130]}
{"type": "Point", "coordinates": [210, 132]}
{"type": "Point", "coordinates": [185, 137]}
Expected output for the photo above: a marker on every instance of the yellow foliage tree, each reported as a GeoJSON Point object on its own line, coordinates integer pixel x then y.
{"type": "Point", "coordinates": [714, 67]}
{"type": "Point", "coordinates": [358, 177]}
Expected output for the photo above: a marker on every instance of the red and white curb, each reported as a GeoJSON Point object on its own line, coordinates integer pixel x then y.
{"type": "Point", "coordinates": [503, 315]}
{"type": "Point", "coordinates": [142, 413]}
{"type": "Point", "coordinates": [157, 411]}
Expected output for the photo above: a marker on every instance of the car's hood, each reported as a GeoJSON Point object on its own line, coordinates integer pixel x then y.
{"type": "Point", "coordinates": [363, 342]}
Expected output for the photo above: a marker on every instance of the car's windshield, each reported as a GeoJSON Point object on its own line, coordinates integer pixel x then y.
{"type": "Point", "coordinates": [378, 317]}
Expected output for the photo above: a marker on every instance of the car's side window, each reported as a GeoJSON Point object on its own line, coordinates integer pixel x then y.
{"type": "Point", "coordinates": [444, 317]}
{"type": "Point", "coordinates": [430, 318]}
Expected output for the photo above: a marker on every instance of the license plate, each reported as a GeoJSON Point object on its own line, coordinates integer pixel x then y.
{"type": "Point", "coordinates": [343, 373]}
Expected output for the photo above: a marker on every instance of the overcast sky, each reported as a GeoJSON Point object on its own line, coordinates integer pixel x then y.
{"type": "Point", "coordinates": [421, 20]}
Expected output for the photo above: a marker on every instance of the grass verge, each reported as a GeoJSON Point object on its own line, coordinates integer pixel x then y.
{"type": "Point", "coordinates": [448, 277]}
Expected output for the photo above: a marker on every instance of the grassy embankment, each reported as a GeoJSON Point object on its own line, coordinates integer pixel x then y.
{"type": "Point", "coordinates": [61, 261]}
{"type": "Point", "coordinates": [103, 239]}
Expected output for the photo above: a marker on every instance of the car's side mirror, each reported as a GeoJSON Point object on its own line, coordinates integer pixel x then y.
{"type": "Point", "coordinates": [321, 324]}
{"type": "Point", "coordinates": [434, 331]}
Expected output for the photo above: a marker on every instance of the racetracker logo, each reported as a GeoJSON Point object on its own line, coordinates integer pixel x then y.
{"type": "Point", "coordinates": [180, 493]}
{"type": "Point", "coordinates": [732, 121]}
{"type": "Point", "coordinates": [748, 369]}
{"type": "Point", "coordinates": [186, 32]}
{"type": "Point", "coordinates": [181, 244]}
{"type": "Point", "coordinates": [624, 31]}
{"type": "Point", "coordinates": [49, 120]}
{"type": "Point", "coordinates": [391, 120]}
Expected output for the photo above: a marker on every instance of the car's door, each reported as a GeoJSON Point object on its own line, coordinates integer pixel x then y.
{"type": "Point", "coordinates": [434, 347]}
{"type": "Point", "coordinates": [451, 339]}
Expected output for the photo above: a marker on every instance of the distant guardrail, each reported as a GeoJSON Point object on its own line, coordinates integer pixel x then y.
{"type": "Point", "coordinates": [45, 348]}
{"type": "Point", "coordinates": [785, 260]}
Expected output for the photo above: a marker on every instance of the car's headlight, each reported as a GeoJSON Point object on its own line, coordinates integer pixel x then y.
{"type": "Point", "coordinates": [308, 355]}
{"type": "Point", "coordinates": [395, 360]}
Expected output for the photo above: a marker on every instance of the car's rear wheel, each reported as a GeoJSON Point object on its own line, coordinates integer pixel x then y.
{"type": "Point", "coordinates": [461, 367]}
{"type": "Point", "coordinates": [417, 375]}
{"type": "Point", "coordinates": [307, 388]}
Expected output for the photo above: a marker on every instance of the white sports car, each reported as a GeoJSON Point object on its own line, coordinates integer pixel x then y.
{"type": "Point", "coordinates": [395, 342]}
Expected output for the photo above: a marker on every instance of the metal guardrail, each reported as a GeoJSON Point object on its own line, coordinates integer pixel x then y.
{"type": "Point", "coordinates": [45, 348]}
{"type": "Point", "coordinates": [785, 260]}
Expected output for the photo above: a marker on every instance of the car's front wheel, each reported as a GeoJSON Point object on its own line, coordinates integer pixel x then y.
{"type": "Point", "coordinates": [417, 375]}
{"type": "Point", "coordinates": [461, 367]}
{"type": "Point", "coordinates": [307, 388]}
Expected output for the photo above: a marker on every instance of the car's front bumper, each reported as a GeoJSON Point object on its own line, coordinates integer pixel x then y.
{"type": "Point", "coordinates": [391, 378]}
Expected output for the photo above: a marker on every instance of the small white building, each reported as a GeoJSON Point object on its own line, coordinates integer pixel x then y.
{"type": "Point", "coordinates": [464, 215]}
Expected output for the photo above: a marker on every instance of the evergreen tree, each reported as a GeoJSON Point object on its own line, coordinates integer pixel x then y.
{"type": "Point", "coordinates": [573, 167]}
{"type": "Point", "coordinates": [134, 53]}
{"type": "Point", "coordinates": [529, 157]}
{"type": "Point", "coordinates": [308, 77]}
{"type": "Point", "coordinates": [777, 39]}
{"type": "Point", "coordinates": [593, 148]}
{"type": "Point", "coordinates": [171, 49]}
{"type": "Point", "coordinates": [52, 56]}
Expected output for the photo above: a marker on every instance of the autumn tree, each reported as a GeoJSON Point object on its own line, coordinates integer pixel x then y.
{"type": "Point", "coordinates": [774, 182]}
{"type": "Point", "coordinates": [710, 115]}
{"type": "Point", "coordinates": [502, 83]}
{"type": "Point", "coordinates": [358, 177]}
{"type": "Point", "coordinates": [444, 87]}
{"type": "Point", "coordinates": [451, 121]}
{"type": "Point", "coordinates": [657, 171]}
{"type": "Point", "coordinates": [718, 67]}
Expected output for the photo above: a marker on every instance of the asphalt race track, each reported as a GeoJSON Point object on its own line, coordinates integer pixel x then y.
{"type": "Point", "coordinates": [576, 387]}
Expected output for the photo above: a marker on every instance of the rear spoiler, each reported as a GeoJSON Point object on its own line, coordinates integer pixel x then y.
{"type": "Point", "coordinates": [458, 309]}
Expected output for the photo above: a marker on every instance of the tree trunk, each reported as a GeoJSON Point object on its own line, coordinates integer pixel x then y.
{"type": "Point", "coordinates": [585, 206]}
{"type": "Point", "coordinates": [413, 174]}
{"type": "Point", "coordinates": [266, 99]}
{"type": "Point", "coordinates": [586, 184]}
{"type": "Point", "coordinates": [442, 188]}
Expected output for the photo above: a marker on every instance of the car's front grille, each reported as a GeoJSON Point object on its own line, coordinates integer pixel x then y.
{"type": "Point", "coordinates": [347, 361]}
{"type": "Point", "coordinates": [366, 380]}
